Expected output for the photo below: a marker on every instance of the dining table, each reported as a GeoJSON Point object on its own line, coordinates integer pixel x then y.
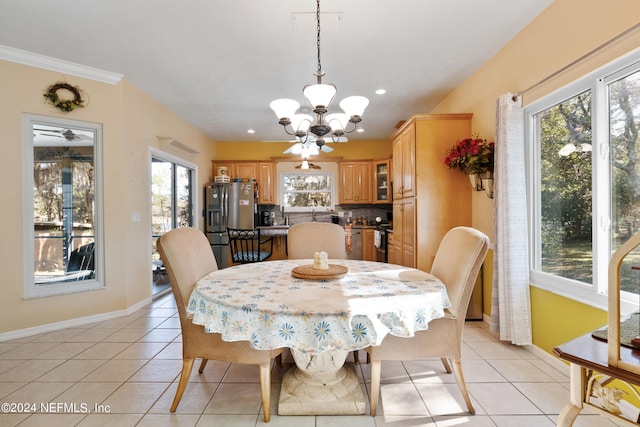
{"type": "Point", "coordinates": [320, 315]}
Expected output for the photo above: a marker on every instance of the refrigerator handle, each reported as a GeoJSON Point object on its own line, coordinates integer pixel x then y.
{"type": "Point", "coordinates": [225, 207]}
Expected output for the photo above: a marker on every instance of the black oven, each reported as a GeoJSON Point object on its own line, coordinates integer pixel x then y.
{"type": "Point", "coordinates": [381, 244]}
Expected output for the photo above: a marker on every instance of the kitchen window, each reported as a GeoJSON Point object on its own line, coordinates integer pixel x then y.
{"type": "Point", "coordinates": [307, 191]}
{"type": "Point", "coordinates": [584, 183]}
{"type": "Point", "coordinates": [62, 205]}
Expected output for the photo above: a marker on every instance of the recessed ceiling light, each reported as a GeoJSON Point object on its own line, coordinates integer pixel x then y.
{"type": "Point", "coordinates": [381, 92]}
{"type": "Point", "coordinates": [360, 130]}
{"type": "Point", "coordinates": [251, 131]}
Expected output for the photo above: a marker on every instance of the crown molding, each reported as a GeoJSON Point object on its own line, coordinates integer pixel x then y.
{"type": "Point", "coordinates": [48, 63]}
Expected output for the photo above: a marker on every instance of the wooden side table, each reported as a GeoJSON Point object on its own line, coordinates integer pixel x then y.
{"type": "Point", "coordinates": [590, 373]}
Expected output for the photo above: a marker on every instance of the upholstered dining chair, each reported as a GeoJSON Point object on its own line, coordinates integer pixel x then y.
{"type": "Point", "coordinates": [247, 245]}
{"type": "Point", "coordinates": [306, 238]}
{"type": "Point", "coordinates": [457, 263]}
{"type": "Point", "coordinates": [187, 257]}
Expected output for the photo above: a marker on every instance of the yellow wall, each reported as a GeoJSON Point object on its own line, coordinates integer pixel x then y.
{"type": "Point", "coordinates": [131, 123]}
{"type": "Point", "coordinates": [559, 320]}
{"type": "Point", "coordinates": [364, 149]}
{"type": "Point", "coordinates": [565, 31]}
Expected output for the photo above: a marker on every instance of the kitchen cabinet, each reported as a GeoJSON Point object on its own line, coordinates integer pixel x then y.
{"type": "Point", "coordinates": [262, 172]}
{"type": "Point", "coordinates": [279, 250]}
{"type": "Point", "coordinates": [381, 181]}
{"type": "Point", "coordinates": [230, 166]}
{"type": "Point", "coordinates": [369, 252]}
{"type": "Point", "coordinates": [393, 251]}
{"type": "Point", "coordinates": [245, 171]}
{"type": "Point", "coordinates": [266, 183]}
{"type": "Point", "coordinates": [236, 169]}
{"type": "Point", "coordinates": [404, 162]}
{"type": "Point", "coordinates": [429, 198]}
{"type": "Point", "coordinates": [404, 230]}
{"type": "Point", "coordinates": [355, 182]}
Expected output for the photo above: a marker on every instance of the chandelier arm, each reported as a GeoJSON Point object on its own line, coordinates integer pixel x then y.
{"type": "Point", "coordinates": [355, 126]}
{"type": "Point", "coordinates": [285, 127]}
{"type": "Point", "coordinates": [303, 138]}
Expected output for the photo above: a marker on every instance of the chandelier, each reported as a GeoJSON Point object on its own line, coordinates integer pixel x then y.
{"type": "Point", "coordinates": [319, 97]}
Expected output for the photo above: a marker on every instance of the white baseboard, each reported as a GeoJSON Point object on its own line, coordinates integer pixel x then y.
{"type": "Point", "coordinates": [72, 323]}
{"type": "Point", "coordinates": [549, 359]}
{"type": "Point", "coordinates": [543, 355]}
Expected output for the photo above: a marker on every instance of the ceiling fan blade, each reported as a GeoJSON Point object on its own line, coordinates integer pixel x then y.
{"type": "Point", "coordinates": [326, 149]}
{"type": "Point", "coordinates": [295, 149]}
{"type": "Point", "coordinates": [339, 140]}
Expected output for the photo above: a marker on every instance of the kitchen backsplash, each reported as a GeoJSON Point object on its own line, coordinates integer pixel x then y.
{"type": "Point", "coordinates": [366, 213]}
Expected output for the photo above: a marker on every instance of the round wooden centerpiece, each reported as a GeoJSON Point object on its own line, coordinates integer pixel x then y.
{"type": "Point", "coordinates": [308, 272]}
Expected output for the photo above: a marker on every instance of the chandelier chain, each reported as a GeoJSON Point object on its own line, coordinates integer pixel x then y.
{"type": "Point", "coordinates": [318, 73]}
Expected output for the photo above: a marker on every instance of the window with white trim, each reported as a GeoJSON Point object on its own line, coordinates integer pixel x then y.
{"type": "Point", "coordinates": [584, 183]}
{"type": "Point", "coordinates": [306, 191]}
{"type": "Point", "coordinates": [62, 205]}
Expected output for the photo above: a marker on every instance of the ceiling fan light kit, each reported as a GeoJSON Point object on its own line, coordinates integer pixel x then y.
{"type": "Point", "coordinates": [319, 96]}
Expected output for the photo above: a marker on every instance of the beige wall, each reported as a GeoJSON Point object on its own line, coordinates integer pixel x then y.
{"type": "Point", "coordinates": [564, 32]}
{"type": "Point", "coordinates": [131, 123]}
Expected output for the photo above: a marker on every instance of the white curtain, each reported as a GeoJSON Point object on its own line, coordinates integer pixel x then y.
{"type": "Point", "coordinates": [510, 303]}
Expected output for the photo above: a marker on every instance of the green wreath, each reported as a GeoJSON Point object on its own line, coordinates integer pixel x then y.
{"type": "Point", "coordinates": [65, 105]}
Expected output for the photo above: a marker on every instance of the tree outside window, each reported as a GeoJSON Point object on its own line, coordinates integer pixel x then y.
{"type": "Point", "coordinates": [307, 191]}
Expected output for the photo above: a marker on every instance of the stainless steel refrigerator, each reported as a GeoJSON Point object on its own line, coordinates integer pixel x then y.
{"type": "Point", "coordinates": [228, 205]}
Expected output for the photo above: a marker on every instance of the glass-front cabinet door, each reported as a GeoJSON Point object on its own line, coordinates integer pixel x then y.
{"type": "Point", "coordinates": [382, 183]}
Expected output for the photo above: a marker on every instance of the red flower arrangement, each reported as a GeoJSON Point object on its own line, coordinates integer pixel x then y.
{"type": "Point", "coordinates": [471, 156]}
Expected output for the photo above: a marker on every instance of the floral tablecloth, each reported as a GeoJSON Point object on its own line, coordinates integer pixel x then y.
{"type": "Point", "coordinates": [264, 304]}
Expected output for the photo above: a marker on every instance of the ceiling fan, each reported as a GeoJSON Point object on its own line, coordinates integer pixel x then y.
{"type": "Point", "coordinates": [67, 134]}
{"type": "Point", "coordinates": [306, 149]}
{"type": "Point", "coordinates": [313, 146]}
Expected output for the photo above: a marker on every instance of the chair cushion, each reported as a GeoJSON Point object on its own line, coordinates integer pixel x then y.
{"type": "Point", "coordinates": [251, 257]}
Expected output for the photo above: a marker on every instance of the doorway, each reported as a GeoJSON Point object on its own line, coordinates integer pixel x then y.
{"type": "Point", "coordinates": [172, 206]}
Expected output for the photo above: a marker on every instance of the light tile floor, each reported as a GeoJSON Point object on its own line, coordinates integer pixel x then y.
{"type": "Point", "coordinates": [125, 372]}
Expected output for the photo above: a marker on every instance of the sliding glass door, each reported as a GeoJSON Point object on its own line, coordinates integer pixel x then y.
{"type": "Point", "coordinates": [172, 204]}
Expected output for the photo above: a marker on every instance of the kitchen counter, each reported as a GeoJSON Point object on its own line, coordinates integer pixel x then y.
{"type": "Point", "coordinates": [283, 230]}
{"type": "Point", "coordinates": [280, 233]}
{"type": "Point", "coordinates": [273, 230]}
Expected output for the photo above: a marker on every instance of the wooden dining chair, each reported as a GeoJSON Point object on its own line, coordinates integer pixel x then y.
{"type": "Point", "coordinates": [457, 263]}
{"type": "Point", "coordinates": [307, 238]}
{"type": "Point", "coordinates": [248, 246]}
{"type": "Point", "coordinates": [187, 257]}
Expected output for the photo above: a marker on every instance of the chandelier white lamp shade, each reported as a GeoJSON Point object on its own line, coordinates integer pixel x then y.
{"type": "Point", "coordinates": [319, 96]}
